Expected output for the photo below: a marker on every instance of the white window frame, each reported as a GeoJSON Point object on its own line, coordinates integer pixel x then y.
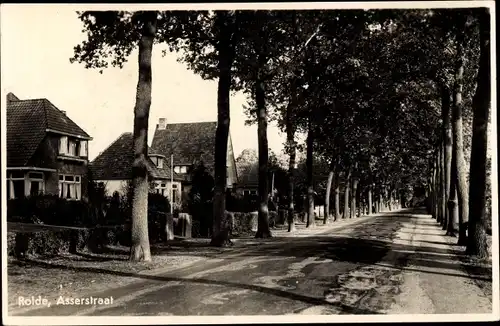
{"type": "Point", "coordinates": [11, 180]}
{"type": "Point", "coordinates": [183, 169]}
{"type": "Point", "coordinates": [159, 162]}
{"type": "Point", "coordinates": [161, 188]}
{"type": "Point", "coordinates": [77, 181]}
{"type": "Point", "coordinates": [30, 179]}
{"type": "Point", "coordinates": [81, 147]}
{"type": "Point", "coordinates": [27, 179]}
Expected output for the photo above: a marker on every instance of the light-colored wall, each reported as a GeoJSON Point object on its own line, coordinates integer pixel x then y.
{"type": "Point", "coordinates": [114, 185]}
{"type": "Point", "coordinates": [231, 167]}
{"type": "Point", "coordinates": [119, 185]}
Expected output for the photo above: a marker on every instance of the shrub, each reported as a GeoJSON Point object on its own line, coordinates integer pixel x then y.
{"type": "Point", "coordinates": [49, 209]}
{"type": "Point", "coordinates": [244, 223]}
{"type": "Point", "coordinates": [51, 243]}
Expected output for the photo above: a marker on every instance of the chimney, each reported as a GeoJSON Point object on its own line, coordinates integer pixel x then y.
{"type": "Point", "coordinates": [63, 112]}
{"type": "Point", "coordinates": [162, 124]}
{"type": "Point", "coordinates": [11, 98]}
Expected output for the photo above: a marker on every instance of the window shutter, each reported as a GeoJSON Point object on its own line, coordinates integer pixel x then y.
{"type": "Point", "coordinates": [83, 148]}
{"type": "Point", "coordinates": [63, 145]}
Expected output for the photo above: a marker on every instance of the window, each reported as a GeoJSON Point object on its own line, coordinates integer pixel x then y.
{"type": "Point", "coordinates": [253, 192]}
{"type": "Point", "coordinates": [20, 184]}
{"type": "Point", "coordinates": [177, 169]}
{"type": "Point", "coordinates": [184, 169]}
{"type": "Point", "coordinates": [161, 188]}
{"type": "Point", "coordinates": [160, 162]}
{"type": "Point", "coordinates": [246, 192]}
{"type": "Point", "coordinates": [73, 147]}
{"type": "Point", "coordinates": [36, 183]}
{"type": "Point", "coordinates": [70, 187]}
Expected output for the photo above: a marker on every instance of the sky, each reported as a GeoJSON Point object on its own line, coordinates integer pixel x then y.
{"type": "Point", "coordinates": [35, 64]}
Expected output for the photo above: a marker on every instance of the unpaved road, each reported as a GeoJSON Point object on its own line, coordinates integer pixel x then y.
{"type": "Point", "coordinates": [359, 268]}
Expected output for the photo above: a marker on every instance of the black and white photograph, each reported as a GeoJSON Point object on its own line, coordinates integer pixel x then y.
{"type": "Point", "coordinates": [249, 163]}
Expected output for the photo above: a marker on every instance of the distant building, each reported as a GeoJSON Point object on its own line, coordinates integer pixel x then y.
{"type": "Point", "coordinates": [46, 151]}
{"type": "Point", "coordinates": [248, 177]}
{"type": "Point", "coordinates": [113, 168]}
{"type": "Point", "coordinates": [192, 144]}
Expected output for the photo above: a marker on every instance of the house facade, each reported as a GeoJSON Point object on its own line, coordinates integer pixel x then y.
{"type": "Point", "coordinates": [46, 151]}
{"type": "Point", "coordinates": [113, 168]}
{"type": "Point", "coordinates": [188, 145]}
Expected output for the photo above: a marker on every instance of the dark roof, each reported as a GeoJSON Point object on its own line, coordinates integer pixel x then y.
{"type": "Point", "coordinates": [27, 122]}
{"type": "Point", "coordinates": [248, 174]}
{"type": "Point", "coordinates": [115, 162]}
{"type": "Point", "coordinates": [190, 143]}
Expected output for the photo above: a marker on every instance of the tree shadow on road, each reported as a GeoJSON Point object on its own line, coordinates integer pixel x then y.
{"type": "Point", "coordinates": [266, 290]}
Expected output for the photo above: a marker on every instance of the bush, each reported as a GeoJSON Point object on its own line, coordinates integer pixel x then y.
{"type": "Point", "coordinates": [244, 223]}
{"type": "Point", "coordinates": [49, 209]}
{"type": "Point", "coordinates": [240, 203]}
{"type": "Point", "coordinates": [51, 243]}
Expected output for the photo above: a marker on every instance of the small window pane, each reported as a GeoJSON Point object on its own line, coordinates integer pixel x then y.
{"type": "Point", "coordinates": [35, 188]}
{"type": "Point", "coordinates": [163, 184]}
{"type": "Point", "coordinates": [17, 174]}
{"type": "Point", "coordinates": [77, 179]}
{"type": "Point", "coordinates": [61, 177]}
{"type": "Point", "coordinates": [18, 188]}
{"type": "Point", "coordinates": [174, 186]}
{"type": "Point", "coordinates": [69, 178]}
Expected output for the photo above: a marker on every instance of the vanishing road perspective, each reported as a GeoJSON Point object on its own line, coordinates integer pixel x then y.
{"type": "Point", "coordinates": [259, 162]}
{"type": "Point", "coordinates": [390, 263]}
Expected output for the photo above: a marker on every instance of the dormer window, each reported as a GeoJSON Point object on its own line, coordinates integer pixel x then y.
{"type": "Point", "coordinates": [180, 169]}
{"type": "Point", "coordinates": [73, 147]}
{"type": "Point", "coordinates": [160, 163]}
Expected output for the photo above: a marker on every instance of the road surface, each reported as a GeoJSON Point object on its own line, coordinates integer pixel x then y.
{"type": "Point", "coordinates": [374, 265]}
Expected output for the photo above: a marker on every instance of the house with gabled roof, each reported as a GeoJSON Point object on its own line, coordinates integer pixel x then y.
{"type": "Point", "coordinates": [46, 151]}
{"type": "Point", "coordinates": [248, 178]}
{"type": "Point", "coordinates": [191, 144]}
{"type": "Point", "coordinates": [113, 168]}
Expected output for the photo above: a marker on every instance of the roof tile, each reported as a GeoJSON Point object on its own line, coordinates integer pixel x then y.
{"type": "Point", "coordinates": [27, 121]}
{"type": "Point", "coordinates": [189, 143]}
{"type": "Point", "coordinates": [115, 162]}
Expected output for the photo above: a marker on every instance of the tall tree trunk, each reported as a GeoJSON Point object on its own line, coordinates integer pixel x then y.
{"type": "Point", "coordinates": [448, 147]}
{"type": "Point", "coordinates": [440, 185]}
{"type": "Point", "coordinates": [435, 176]}
{"type": "Point", "coordinates": [370, 204]}
{"type": "Point", "coordinates": [458, 146]}
{"type": "Point", "coordinates": [346, 193]}
{"type": "Point", "coordinates": [220, 233]}
{"type": "Point", "coordinates": [139, 250]}
{"type": "Point", "coordinates": [328, 194]}
{"type": "Point", "coordinates": [263, 230]}
{"type": "Point", "coordinates": [336, 191]}
{"type": "Point", "coordinates": [290, 134]}
{"type": "Point", "coordinates": [453, 201]}
{"type": "Point", "coordinates": [443, 183]}
{"type": "Point", "coordinates": [354, 193]}
{"type": "Point", "coordinates": [476, 242]}
{"type": "Point", "coordinates": [311, 221]}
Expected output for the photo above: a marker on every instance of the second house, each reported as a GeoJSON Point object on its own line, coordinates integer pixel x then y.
{"type": "Point", "coordinates": [113, 169]}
